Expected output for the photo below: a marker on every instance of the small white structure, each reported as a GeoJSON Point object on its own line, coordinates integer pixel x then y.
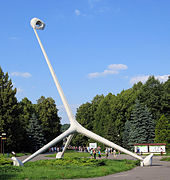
{"type": "Point", "coordinates": [93, 145]}
{"type": "Point", "coordinates": [74, 125]}
{"type": "Point", "coordinates": [155, 148]}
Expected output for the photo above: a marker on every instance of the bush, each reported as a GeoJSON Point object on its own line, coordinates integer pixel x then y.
{"type": "Point", "coordinates": [165, 159]}
{"type": "Point", "coordinates": [4, 161]}
{"type": "Point", "coordinates": [67, 161]}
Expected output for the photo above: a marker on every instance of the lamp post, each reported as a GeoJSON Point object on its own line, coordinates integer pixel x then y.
{"type": "Point", "coordinates": [1, 144]}
{"type": "Point", "coordinates": [3, 138]}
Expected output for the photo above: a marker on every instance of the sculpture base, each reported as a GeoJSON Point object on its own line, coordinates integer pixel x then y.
{"type": "Point", "coordinates": [147, 161]}
{"type": "Point", "coordinates": [16, 162]}
{"type": "Point", "coordinates": [59, 155]}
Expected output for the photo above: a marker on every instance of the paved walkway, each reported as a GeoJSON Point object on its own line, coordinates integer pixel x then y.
{"type": "Point", "coordinates": [160, 170]}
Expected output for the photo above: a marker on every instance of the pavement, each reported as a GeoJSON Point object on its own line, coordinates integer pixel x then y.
{"type": "Point", "coordinates": [160, 170]}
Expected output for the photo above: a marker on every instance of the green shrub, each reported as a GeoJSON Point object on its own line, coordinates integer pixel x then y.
{"type": "Point", "coordinates": [67, 161]}
{"type": "Point", "coordinates": [165, 159]}
{"type": "Point", "coordinates": [4, 161]}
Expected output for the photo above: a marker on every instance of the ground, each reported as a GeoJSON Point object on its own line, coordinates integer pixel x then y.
{"type": "Point", "coordinates": [160, 170]}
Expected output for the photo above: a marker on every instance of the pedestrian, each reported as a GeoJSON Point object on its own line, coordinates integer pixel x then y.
{"type": "Point", "coordinates": [91, 153]}
{"type": "Point", "coordinates": [114, 153]}
{"type": "Point", "coordinates": [94, 153]}
{"type": "Point", "coordinates": [106, 152]}
{"type": "Point", "coordinates": [138, 150]}
{"type": "Point", "coordinates": [99, 154]}
{"type": "Point", "coordinates": [111, 150]}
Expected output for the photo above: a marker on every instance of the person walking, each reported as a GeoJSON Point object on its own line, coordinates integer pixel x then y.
{"type": "Point", "coordinates": [94, 153]}
{"type": "Point", "coordinates": [106, 152]}
{"type": "Point", "coordinates": [99, 154]}
{"type": "Point", "coordinates": [91, 153]}
{"type": "Point", "coordinates": [114, 153]}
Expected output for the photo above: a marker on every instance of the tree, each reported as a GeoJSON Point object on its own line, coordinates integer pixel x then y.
{"type": "Point", "coordinates": [151, 95]}
{"type": "Point", "coordinates": [102, 116]}
{"type": "Point", "coordinates": [9, 113]}
{"type": "Point", "coordinates": [84, 117]}
{"type": "Point", "coordinates": [48, 118]}
{"type": "Point", "coordinates": [162, 130]}
{"type": "Point", "coordinates": [35, 134]}
{"type": "Point", "coordinates": [64, 127]}
{"type": "Point", "coordinates": [121, 108]}
{"type": "Point", "coordinates": [126, 133]}
{"type": "Point", "coordinates": [141, 125]}
{"type": "Point", "coordinates": [165, 106]}
{"type": "Point", "coordinates": [26, 109]}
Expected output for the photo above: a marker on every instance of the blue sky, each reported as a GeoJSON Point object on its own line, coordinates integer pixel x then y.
{"type": "Point", "coordinates": [95, 46]}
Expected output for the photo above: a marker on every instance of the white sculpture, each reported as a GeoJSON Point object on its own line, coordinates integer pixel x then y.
{"type": "Point", "coordinates": [74, 125]}
{"type": "Point", "coordinates": [16, 162]}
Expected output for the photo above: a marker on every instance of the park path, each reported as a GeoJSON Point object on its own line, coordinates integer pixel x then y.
{"type": "Point", "coordinates": [160, 170]}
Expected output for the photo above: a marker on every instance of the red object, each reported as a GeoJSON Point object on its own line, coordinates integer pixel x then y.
{"type": "Point", "coordinates": [150, 144]}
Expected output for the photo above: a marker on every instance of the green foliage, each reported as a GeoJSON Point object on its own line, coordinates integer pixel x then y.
{"type": "Point", "coordinates": [162, 130]}
{"type": "Point", "coordinates": [48, 118]}
{"type": "Point", "coordinates": [67, 168]}
{"type": "Point", "coordinates": [166, 99]}
{"type": "Point", "coordinates": [26, 109]}
{"type": "Point", "coordinates": [86, 116]}
{"type": "Point", "coordinates": [151, 95]}
{"type": "Point", "coordinates": [64, 127]}
{"type": "Point", "coordinates": [35, 133]}
{"type": "Point", "coordinates": [105, 115]}
{"type": "Point", "coordinates": [165, 159]}
{"type": "Point", "coordinates": [4, 161]}
{"type": "Point", "coordinates": [69, 161]}
{"type": "Point", "coordinates": [126, 135]}
{"type": "Point", "coordinates": [141, 125]}
{"type": "Point", "coordinates": [15, 117]}
{"type": "Point", "coordinates": [72, 154]}
{"type": "Point", "coordinates": [9, 113]}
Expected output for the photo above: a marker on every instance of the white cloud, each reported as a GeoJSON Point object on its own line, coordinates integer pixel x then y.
{"type": "Point", "coordinates": [19, 90]}
{"type": "Point", "coordinates": [77, 12]}
{"type": "Point", "coordinates": [144, 78]}
{"type": "Point", "coordinates": [25, 74]}
{"type": "Point", "coordinates": [111, 69]}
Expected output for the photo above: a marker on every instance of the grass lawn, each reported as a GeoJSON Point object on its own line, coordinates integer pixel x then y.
{"type": "Point", "coordinates": [72, 154]}
{"type": "Point", "coordinates": [68, 167]}
{"type": "Point", "coordinates": [165, 159]}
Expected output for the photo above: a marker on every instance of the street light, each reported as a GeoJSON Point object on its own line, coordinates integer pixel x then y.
{"type": "Point", "coordinates": [1, 144]}
{"type": "Point", "coordinates": [3, 138]}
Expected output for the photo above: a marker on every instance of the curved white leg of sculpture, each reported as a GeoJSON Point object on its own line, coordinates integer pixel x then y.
{"type": "Point", "coordinates": [108, 143]}
{"type": "Point", "coordinates": [61, 154]}
{"type": "Point", "coordinates": [50, 144]}
{"type": "Point", "coordinates": [147, 161]}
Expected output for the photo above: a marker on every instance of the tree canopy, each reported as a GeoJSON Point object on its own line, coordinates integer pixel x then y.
{"type": "Point", "coordinates": [140, 114]}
